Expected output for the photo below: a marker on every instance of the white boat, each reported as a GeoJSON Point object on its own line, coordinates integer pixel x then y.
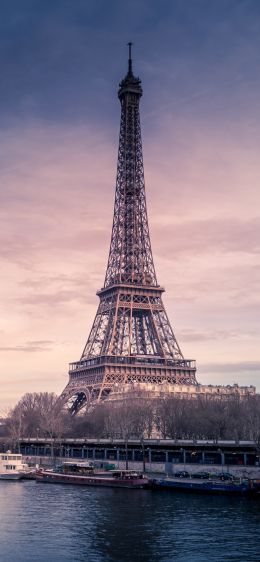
{"type": "Point", "coordinates": [12, 466]}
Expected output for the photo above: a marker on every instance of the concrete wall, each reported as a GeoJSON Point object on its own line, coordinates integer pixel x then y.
{"type": "Point", "coordinates": [157, 468]}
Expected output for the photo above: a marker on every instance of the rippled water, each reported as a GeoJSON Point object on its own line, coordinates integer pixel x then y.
{"type": "Point", "coordinates": [54, 523]}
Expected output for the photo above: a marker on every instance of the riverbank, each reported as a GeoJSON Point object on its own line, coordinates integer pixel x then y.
{"type": "Point", "coordinates": [152, 468]}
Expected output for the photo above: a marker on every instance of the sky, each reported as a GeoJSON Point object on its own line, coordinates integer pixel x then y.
{"type": "Point", "coordinates": [61, 62]}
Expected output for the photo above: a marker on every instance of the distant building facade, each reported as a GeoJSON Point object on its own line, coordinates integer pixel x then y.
{"type": "Point", "coordinates": [183, 391]}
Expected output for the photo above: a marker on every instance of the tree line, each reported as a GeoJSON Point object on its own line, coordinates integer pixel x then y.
{"type": "Point", "coordinates": [139, 416]}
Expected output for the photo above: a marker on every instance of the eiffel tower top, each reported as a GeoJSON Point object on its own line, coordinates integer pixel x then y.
{"type": "Point", "coordinates": [130, 84]}
{"type": "Point", "coordinates": [130, 258]}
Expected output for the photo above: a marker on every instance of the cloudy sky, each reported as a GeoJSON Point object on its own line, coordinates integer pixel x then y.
{"type": "Point", "coordinates": [61, 62]}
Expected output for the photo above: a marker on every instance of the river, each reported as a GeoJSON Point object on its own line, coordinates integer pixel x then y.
{"type": "Point", "coordinates": [55, 523]}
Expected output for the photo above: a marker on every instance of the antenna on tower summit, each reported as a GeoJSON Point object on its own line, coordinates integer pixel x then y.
{"type": "Point", "coordinates": [130, 70]}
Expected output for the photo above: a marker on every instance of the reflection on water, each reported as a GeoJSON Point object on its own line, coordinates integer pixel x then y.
{"type": "Point", "coordinates": [55, 523]}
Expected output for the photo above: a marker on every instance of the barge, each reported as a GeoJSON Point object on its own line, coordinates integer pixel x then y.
{"type": "Point", "coordinates": [244, 487]}
{"type": "Point", "coordinates": [85, 475]}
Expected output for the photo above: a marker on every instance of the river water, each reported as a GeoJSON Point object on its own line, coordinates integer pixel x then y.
{"type": "Point", "coordinates": [54, 523]}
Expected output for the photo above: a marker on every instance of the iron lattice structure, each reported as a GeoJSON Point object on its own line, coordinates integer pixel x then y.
{"type": "Point", "coordinates": [131, 340]}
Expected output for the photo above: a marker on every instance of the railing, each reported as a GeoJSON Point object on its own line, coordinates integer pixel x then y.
{"type": "Point", "coordinates": [146, 360]}
{"type": "Point", "coordinates": [187, 452]}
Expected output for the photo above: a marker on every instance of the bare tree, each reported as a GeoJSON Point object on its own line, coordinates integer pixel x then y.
{"type": "Point", "coordinates": [36, 415]}
{"type": "Point", "coordinates": [136, 416]}
{"type": "Point", "coordinates": [15, 426]}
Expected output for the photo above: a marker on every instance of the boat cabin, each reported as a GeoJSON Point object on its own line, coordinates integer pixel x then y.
{"type": "Point", "coordinates": [10, 461]}
{"type": "Point", "coordinates": [126, 474]}
{"type": "Point", "coordinates": [11, 464]}
{"type": "Point", "coordinates": [69, 467]}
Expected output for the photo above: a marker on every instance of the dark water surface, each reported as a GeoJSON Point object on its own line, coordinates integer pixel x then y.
{"type": "Point", "coordinates": [55, 523]}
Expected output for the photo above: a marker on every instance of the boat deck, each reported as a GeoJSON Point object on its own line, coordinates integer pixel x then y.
{"type": "Point", "coordinates": [209, 485]}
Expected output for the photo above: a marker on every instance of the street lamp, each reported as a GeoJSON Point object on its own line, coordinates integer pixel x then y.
{"type": "Point", "coordinates": [183, 458]}
{"type": "Point", "coordinates": [222, 459]}
{"type": "Point", "coordinates": [117, 456]}
{"type": "Point", "coordinates": [37, 438]}
{"type": "Point", "coordinates": [143, 454]}
{"type": "Point", "coordinates": [149, 457]}
{"type": "Point", "coordinates": [34, 453]}
{"type": "Point", "coordinates": [126, 454]}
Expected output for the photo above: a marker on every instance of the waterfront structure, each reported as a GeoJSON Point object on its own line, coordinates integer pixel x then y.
{"type": "Point", "coordinates": [183, 453]}
{"type": "Point", "coordinates": [131, 340]}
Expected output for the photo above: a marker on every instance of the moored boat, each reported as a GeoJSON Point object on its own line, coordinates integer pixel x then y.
{"type": "Point", "coordinates": [80, 474]}
{"type": "Point", "coordinates": [245, 487]}
{"type": "Point", "coordinates": [12, 466]}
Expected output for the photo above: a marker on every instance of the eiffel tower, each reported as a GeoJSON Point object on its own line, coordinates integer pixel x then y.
{"type": "Point", "coordinates": [131, 340]}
